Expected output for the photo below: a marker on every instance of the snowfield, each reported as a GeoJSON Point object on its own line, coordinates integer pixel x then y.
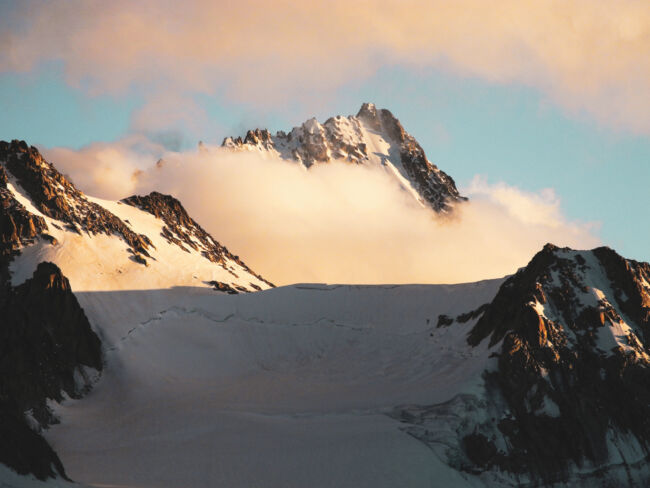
{"type": "Point", "coordinates": [293, 386]}
{"type": "Point", "coordinates": [288, 387]}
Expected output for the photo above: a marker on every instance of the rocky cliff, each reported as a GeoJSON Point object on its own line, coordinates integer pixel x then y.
{"type": "Point", "coordinates": [567, 398]}
{"type": "Point", "coordinates": [47, 350]}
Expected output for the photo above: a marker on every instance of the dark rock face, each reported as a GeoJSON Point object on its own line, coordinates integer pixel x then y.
{"type": "Point", "coordinates": [45, 335]}
{"type": "Point", "coordinates": [480, 450]}
{"type": "Point", "coordinates": [45, 341]}
{"type": "Point", "coordinates": [182, 230]}
{"type": "Point", "coordinates": [445, 320]}
{"type": "Point", "coordinates": [18, 227]}
{"type": "Point", "coordinates": [226, 288]}
{"type": "Point", "coordinates": [341, 138]}
{"type": "Point", "coordinates": [565, 396]}
{"type": "Point", "coordinates": [573, 367]}
{"type": "Point", "coordinates": [24, 450]}
{"type": "Point", "coordinates": [57, 198]}
{"type": "Point", "coordinates": [629, 281]}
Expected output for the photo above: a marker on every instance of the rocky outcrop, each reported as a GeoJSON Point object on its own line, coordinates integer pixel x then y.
{"type": "Point", "coordinates": [226, 288]}
{"type": "Point", "coordinates": [347, 139]}
{"type": "Point", "coordinates": [47, 350]}
{"type": "Point", "coordinates": [180, 229]}
{"type": "Point", "coordinates": [573, 365]}
{"type": "Point", "coordinates": [18, 227]}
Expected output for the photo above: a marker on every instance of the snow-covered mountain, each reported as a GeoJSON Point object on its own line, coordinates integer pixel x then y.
{"type": "Point", "coordinates": [54, 239]}
{"type": "Point", "coordinates": [121, 365]}
{"type": "Point", "coordinates": [373, 137]}
{"type": "Point", "coordinates": [141, 242]}
{"type": "Point", "coordinates": [566, 397]}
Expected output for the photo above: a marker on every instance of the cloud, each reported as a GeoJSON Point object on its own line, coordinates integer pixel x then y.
{"type": "Point", "coordinates": [335, 223]}
{"type": "Point", "coordinates": [170, 118]}
{"type": "Point", "coordinates": [106, 170]}
{"type": "Point", "coordinates": [541, 208]}
{"type": "Point", "coordinates": [589, 56]}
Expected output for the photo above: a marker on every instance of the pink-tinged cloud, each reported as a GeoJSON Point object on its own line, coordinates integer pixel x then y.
{"type": "Point", "coordinates": [590, 56]}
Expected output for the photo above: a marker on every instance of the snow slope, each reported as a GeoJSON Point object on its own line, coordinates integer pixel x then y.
{"type": "Point", "coordinates": [102, 262]}
{"type": "Point", "coordinates": [144, 242]}
{"type": "Point", "coordinates": [285, 387]}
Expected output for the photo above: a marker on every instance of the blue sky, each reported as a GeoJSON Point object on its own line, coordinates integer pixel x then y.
{"type": "Point", "coordinates": [536, 121]}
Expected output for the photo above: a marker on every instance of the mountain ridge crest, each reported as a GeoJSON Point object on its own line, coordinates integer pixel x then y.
{"type": "Point", "coordinates": [371, 137]}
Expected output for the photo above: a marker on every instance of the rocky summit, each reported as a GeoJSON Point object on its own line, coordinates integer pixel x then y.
{"type": "Point", "coordinates": [372, 137]}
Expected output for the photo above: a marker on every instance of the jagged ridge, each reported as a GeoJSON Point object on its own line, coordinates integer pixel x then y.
{"type": "Point", "coordinates": [353, 139]}
{"type": "Point", "coordinates": [180, 229]}
{"type": "Point", "coordinates": [58, 198]}
{"type": "Point", "coordinates": [25, 175]}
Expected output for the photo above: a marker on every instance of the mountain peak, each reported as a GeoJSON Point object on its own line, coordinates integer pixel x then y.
{"type": "Point", "coordinates": [368, 113]}
{"type": "Point", "coordinates": [38, 202]}
{"type": "Point", "coordinates": [373, 137]}
{"type": "Point", "coordinates": [572, 329]}
{"type": "Point", "coordinates": [54, 196]}
{"type": "Point", "coordinates": [567, 278]}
